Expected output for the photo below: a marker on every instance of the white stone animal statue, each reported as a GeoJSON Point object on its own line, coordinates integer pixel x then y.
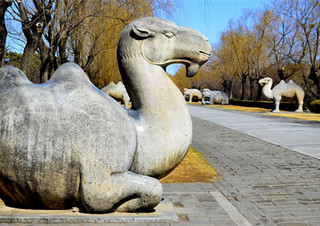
{"type": "Point", "coordinates": [289, 90]}
{"type": "Point", "coordinates": [118, 92]}
{"type": "Point", "coordinates": [191, 93]}
{"type": "Point", "coordinates": [215, 97]}
{"type": "Point", "coordinates": [65, 143]}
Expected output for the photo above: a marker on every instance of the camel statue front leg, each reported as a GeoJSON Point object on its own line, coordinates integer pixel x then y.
{"type": "Point", "coordinates": [277, 106]}
{"type": "Point", "coordinates": [126, 191]}
{"type": "Point", "coordinates": [191, 96]}
{"type": "Point", "coordinates": [126, 102]}
{"type": "Point", "coordinates": [300, 109]}
{"type": "Point", "coordinates": [144, 193]}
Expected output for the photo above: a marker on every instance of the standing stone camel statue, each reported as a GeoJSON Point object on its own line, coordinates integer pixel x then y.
{"type": "Point", "coordinates": [118, 92]}
{"type": "Point", "coordinates": [191, 93]}
{"type": "Point", "coordinates": [215, 97]}
{"type": "Point", "coordinates": [65, 143]}
{"type": "Point", "coordinates": [289, 90]}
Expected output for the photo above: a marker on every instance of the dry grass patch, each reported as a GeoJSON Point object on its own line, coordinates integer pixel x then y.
{"type": "Point", "coordinates": [192, 169]}
{"type": "Point", "coordinates": [241, 108]}
{"type": "Point", "coordinates": [303, 116]}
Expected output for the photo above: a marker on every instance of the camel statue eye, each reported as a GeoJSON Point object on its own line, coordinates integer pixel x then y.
{"type": "Point", "coordinates": [169, 34]}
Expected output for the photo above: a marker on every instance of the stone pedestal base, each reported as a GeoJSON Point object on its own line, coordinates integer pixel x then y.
{"type": "Point", "coordinates": [164, 213]}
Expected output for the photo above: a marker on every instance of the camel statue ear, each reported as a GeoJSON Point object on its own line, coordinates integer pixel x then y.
{"type": "Point", "coordinates": [143, 32]}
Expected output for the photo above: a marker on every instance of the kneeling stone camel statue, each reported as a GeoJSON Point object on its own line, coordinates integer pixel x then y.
{"type": "Point", "coordinates": [283, 89]}
{"type": "Point", "coordinates": [191, 93]}
{"type": "Point", "coordinates": [65, 143]}
{"type": "Point", "coordinates": [118, 92]}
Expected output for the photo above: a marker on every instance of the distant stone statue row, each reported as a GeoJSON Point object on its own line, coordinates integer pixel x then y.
{"type": "Point", "coordinates": [207, 96]}
{"type": "Point", "coordinates": [288, 90]}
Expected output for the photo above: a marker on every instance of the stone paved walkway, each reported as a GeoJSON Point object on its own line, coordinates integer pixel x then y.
{"type": "Point", "coordinates": [299, 135]}
{"type": "Point", "coordinates": [263, 181]}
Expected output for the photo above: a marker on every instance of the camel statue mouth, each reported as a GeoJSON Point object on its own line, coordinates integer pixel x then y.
{"type": "Point", "coordinates": [205, 53]}
{"type": "Point", "coordinates": [192, 66]}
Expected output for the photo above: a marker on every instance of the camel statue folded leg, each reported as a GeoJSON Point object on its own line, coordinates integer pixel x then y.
{"type": "Point", "coordinates": [65, 143]}
{"type": "Point", "coordinates": [289, 90]}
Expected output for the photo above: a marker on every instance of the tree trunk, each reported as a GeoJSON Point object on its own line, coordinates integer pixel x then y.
{"type": "Point", "coordinates": [313, 75]}
{"type": "Point", "coordinates": [243, 87]}
{"type": "Point", "coordinates": [259, 88]}
{"type": "Point", "coordinates": [45, 62]}
{"type": "Point", "coordinates": [230, 90]}
{"type": "Point", "coordinates": [3, 30]}
{"type": "Point", "coordinates": [280, 73]}
{"type": "Point", "coordinates": [28, 54]}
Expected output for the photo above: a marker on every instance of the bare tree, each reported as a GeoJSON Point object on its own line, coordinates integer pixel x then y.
{"type": "Point", "coordinates": [259, 54]}
{"type": "Point", "coordinates": [34, 16]}
{"type": "Point", "coordinates": [282, 37]}
{"type": "Point", "coordinates": [68, 21]}
{"type": "Point", "coordinates": [4, 5]}
{"type": "Point", "coordinates": [306, 15]}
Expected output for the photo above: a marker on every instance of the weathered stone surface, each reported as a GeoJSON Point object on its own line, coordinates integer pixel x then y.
{"type": "Point", "coordinates": [191, 93]}
{"type": "Point", "coordinates": [215, 97]}
{"type": "Point", "coordinates": [163, 213]}
{"type": "Point", "coordinates": [118, 92]}
{"type": "Point", "coordinates": [289, 90]}
{"type": "Point", "coordinates": [164, 128]}
{"type": "Point", "coordinates": [66, 143]}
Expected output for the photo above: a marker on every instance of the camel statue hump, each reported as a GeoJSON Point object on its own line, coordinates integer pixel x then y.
{"type": "Point", "coordinates": [55, 134]}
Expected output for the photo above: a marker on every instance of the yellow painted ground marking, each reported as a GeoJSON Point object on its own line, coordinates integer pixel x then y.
{"type": "Point", "coordinates": [192, 169]}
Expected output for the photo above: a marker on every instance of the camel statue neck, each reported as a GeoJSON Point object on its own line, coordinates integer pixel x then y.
{"type": "Point", "coordinates": [266, 90]}
{"type": "Point", "coordinates": [158, 105]}
{"type": "Point", "coordinates": [142, 81]}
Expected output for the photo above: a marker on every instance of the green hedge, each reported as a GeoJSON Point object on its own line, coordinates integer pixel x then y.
{"type": "Point", "coordinates": [315, 106]}
{"type": "Point", "coordinates": [286, 106]}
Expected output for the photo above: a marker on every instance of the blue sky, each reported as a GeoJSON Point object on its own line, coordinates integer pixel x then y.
{"type": "Point", "coordinates": [211, 17]}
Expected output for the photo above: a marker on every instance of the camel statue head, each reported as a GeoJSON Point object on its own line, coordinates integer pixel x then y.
{"type": "Point", "coordinates": [162, 42]}
{"type": "Point", "coordinates": [266, 80]}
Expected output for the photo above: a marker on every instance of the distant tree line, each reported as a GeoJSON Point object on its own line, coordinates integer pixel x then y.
{"type": "Point", "coordinates": [53, 32]}
{"type": "Point", "coordinates": [280, 41]}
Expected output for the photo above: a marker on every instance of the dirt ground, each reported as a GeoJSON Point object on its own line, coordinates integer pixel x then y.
{"type": "Point", "coordinates": [192, 169]}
